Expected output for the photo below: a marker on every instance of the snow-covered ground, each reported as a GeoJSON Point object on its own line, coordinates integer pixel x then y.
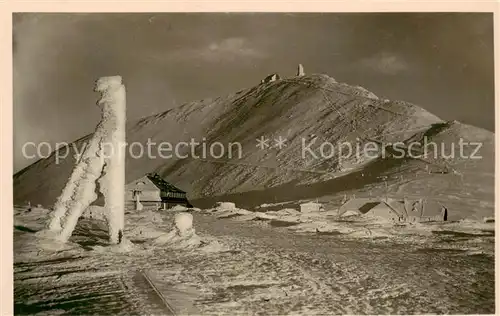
{"type": "Point", "coordinates": [241, 262]}
{"type": "Point", "coordinates": [468, 235]}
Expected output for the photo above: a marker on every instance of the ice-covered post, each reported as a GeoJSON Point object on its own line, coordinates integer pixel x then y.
{"type": "Point", "coordinates": [102, 161]}
{"type": "Point", "coordinates": [112, 183]}
{"type": "Point", "coordinates": [138, 204]}
{"type": "Point", "coordinates": [62, 204]}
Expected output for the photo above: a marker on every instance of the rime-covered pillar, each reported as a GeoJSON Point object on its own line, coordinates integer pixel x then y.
{"type": "Point", "coordinates": [103, 160]}
{"type": "Point", "coordinates": [84, 195]}
{"type": "Point", "coordinates": [62, 203]}
{"type": "Point", "coordinates": [112, 182]}
{"type": "Point", "coordinates": [73, 201]}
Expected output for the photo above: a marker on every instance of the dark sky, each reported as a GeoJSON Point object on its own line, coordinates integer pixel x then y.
{"type": "Point", "coordinates": [440, 61]}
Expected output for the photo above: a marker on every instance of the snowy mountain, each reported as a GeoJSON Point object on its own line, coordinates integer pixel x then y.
{"type": "Point", "coordinates": [313, 112]}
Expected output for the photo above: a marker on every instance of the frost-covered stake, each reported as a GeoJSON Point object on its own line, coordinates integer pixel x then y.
{"type": "Point", "coordinates": [103, 161]}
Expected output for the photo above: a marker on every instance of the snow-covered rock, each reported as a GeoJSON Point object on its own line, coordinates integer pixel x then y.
{"type": "Point", "coordinates": [285, 212]}
{"type": "Point", "coordinates": [262, 215]}
{"type": "Point", "coordinates": [182, 236]}
{"type": "Point", "coordinates": [311, 207]}
{"type": "Point", "coordinates": [183, 222]}
{"type": "Point", "coordinates": [231, 213]}
{"type": "Point", "coordinates": [225, 205]}
{"type": "Point", "coordinates": [174, 239]}
{"type": "Point", "coordinates": [178, 208]}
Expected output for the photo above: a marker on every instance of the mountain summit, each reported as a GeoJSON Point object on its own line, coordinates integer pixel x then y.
{"type": "Point", "coordinates": [282, 141]}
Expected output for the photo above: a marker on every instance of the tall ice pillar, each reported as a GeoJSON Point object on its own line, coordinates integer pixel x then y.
{"type": "Point", "coordinates": [103, 161]}
{"type": "Point", "coordinates": [112, 182]}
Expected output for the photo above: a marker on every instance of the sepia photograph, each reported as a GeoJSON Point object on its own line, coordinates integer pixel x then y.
{"type": "Point", "coordinates": [253, 163]}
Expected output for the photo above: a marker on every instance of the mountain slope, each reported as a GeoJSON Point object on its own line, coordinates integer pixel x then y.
{"type": "Point", "coordinates": [311, 110]}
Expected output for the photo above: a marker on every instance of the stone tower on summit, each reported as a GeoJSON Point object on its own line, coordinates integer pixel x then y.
{"type": "Point", "coordinates": [300, 71]}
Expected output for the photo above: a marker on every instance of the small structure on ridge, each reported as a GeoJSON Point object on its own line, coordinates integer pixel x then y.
{"type": "Point", "coordinates": [271, 78]}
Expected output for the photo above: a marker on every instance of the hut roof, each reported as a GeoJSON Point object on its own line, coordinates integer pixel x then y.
{"type": "Point", "coordinates": [162, 184]}
{"type": "Point", "coordinates": [364, 205]}
{"type": "Point", "coordinates": [357, 204]}
{"type": "Point", "coordinates": [398, 206]}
